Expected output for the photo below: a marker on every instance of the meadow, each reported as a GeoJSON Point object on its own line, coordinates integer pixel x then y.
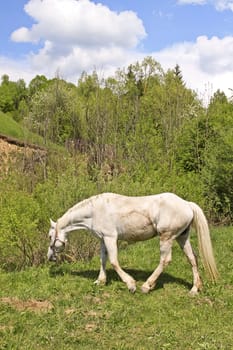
{"type": "Point", "coordinates": [58, 306]}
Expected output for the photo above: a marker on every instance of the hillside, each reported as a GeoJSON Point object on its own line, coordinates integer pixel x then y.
{"type": "Point", "coordinates": [14, 143]}
{"type": "Point", "coordinates": [14, 133]}
{"type": "Point", "coordinates": [11, 148]}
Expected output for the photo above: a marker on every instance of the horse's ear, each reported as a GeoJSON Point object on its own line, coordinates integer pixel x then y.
{"type": "Point", "coordinates": [52, 223]}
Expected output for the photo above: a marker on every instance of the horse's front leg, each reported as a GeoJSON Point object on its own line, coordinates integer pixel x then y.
{"type": "Point", "coordinates": [103, 259]}
{"type": "Point", "coordinates": [111, 246]}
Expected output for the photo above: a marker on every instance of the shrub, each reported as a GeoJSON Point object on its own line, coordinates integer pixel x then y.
{"type": "Point", "coordinates": [20, 241]}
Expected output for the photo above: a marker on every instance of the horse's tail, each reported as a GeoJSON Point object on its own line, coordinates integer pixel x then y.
{"type": "Point", "coordinates": [204, 241]}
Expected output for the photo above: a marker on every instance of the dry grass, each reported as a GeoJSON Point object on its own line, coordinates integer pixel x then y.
{"type": "Point", "coordinates": [31, 305]}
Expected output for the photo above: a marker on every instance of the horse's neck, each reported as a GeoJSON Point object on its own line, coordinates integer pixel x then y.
{"type": "Point", "coordinates": [76, 218]}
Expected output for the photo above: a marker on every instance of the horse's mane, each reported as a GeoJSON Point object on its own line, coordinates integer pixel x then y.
{"type": "Point", "coordinates": [64, 219]}
{"type": "Point", "coordinates": [81, 204]}
{"type": "Point", "coordinates": [91, 200]}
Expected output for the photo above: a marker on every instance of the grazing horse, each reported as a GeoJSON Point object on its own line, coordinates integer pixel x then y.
{"type": "Point", "coordinates": [114, 217]}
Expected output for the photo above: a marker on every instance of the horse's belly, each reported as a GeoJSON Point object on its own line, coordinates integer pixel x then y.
{"type": "Point", "coordinates": [135, 227]}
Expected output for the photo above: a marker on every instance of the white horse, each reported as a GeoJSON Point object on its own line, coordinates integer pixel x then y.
{"type": "Point", "coordinates": [114, 217]}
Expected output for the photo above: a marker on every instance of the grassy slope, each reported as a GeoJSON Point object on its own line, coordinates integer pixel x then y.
{"type": "Point", "coordinates": [85, 316]}
{"type": "Point", "coordinates": [9, 127]}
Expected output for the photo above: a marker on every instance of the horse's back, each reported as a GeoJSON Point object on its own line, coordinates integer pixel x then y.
{"type": "Point", "coordinates": [154, 213]}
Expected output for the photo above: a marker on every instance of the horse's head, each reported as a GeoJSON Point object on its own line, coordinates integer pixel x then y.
{"type": "Point", "coordinates": [57, 242]}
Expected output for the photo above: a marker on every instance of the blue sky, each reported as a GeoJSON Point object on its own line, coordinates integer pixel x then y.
{"type": "Point", "coordinates": [69, 36]}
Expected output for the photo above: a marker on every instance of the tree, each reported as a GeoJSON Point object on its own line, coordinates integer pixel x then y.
{"type": "Point", "coordinates": [178, 73]}
{"type": "Point", "coordinates": [218, 170]}
{"type": "Point", "coordinates": [51, 110]}
{"type": "Point", "coordinates": [37, 84]}
{"type": "Point", "coordinates": [11, 93]}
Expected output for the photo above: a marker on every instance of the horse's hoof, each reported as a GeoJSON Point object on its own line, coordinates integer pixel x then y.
{"type": "Point", "coordinates": [132, 289]}
{"type": "Point", "coordinates": [145, 289]}
{"type": "Point", "coordinates": [193, 292]}
{"type": "Point", "coordinates": [100, 282]}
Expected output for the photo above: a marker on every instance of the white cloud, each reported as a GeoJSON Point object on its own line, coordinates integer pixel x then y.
{"type": "Point", "coordinates": [193, 2]}
{"type": "Point", "coordinates": [77, 60]}
{"type": "Point", "coordinates": [81, 23]}
{"type": "Point", "coordinates": [79, 35]}
{"type": "Point", "coordinates": [16, 69]}
{"type": "Point", "coordinates": [76, 36]}
{"type": "Point", "coordinates": [220, 5]}
{"type": "Point", "coordinates": [206, 61]}
{"type": "Point", "coordinates": [215, 55]}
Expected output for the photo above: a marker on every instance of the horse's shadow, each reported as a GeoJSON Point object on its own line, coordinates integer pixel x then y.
{"type": "Point", "coordinates": [138, 275]}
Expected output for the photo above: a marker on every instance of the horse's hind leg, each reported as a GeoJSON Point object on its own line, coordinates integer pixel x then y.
{"type": "Point", "coordinates": [103, 259]}
{"type": "Point", "coordinates": [185, 244]}
{"type": "Point", "coordinates": [165, 258]}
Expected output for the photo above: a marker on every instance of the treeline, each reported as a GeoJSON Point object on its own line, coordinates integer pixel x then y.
{"type": "Point", "coordinates": [139, 132]}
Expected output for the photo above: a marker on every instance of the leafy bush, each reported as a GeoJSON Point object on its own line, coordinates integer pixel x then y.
{"type": "Point", "coordinates": [56, 195]}
{"type": "Point", "coordinates": [25, 216]}
{"type": "Point", "coordinates": [20, 241]}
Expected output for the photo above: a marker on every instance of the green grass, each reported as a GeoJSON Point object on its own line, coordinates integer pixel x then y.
{"type": "Point", "coordinates": [9, 127]}
{"type": "Point", "coordinates": [85, 316]}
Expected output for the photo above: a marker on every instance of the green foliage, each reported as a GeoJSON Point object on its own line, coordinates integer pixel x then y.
{"type": "Point", "coordinates": [25, 216]}
{"type": "Point", "coordinates": [191, 143]}
{"type": "Point", "coordinates": [218, 178]}
{"type": "Point", "coordinates": [19, 238]}
{"type": "Point", "coordinates": [11, 93]}
{"type": "Point", "coordinates": [63, 189]}
{"type": "Point", "coordinates": [37, 84]}
{"type": "Point", "coordinates": [139, 132]}
{"type": "Point", "coordinates": [218, 170]}
{"type": "Point", "coordinates": [50, 110]}
{"type": "Point", "coordinates": [9, 127]}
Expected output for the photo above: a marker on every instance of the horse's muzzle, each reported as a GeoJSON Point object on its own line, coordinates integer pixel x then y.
{"type": "Point", "coordinates": [51, 256]}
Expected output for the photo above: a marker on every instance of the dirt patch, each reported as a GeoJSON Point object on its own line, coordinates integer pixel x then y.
{"type": "Point", "coordinates": [6, 149]}
{"type": "Point", "coordinates": [90, 327]}
{"type": "Point", "coordinates": [10, 152]}
{"type": "Point", "coordinates": [19, 143]}
{"type": "Point", "coordinates": [31, 305]}
{"type": "Point", "coordinates": [205, 300]}
{"type": "Point", "coordinates": [6, 328]}
{"type": "Point", "coordinates": [96, 300]}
